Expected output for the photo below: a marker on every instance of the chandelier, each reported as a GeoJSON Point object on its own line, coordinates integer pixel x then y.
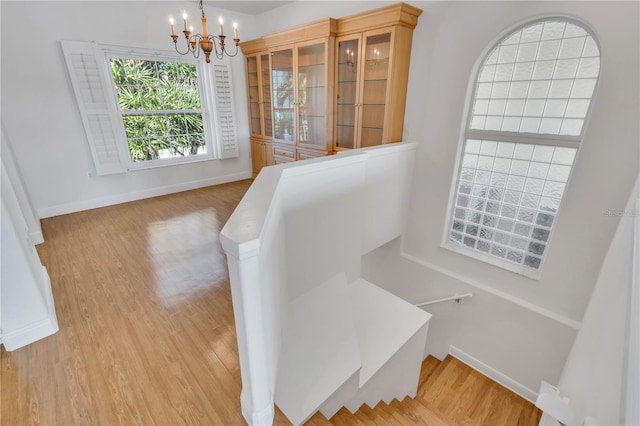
{"type": "Point", "coordinates": [204, 42]}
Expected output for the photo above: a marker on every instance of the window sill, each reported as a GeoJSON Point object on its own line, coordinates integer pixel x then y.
{"type": "Point", "coordinates": [154, 164]}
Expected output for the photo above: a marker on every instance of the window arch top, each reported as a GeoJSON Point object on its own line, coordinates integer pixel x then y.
{"type": "Point", "coordinates": [538, 79]}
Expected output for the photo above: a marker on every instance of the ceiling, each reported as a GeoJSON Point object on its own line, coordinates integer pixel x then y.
{"type": "Point", "coordinates": [254, 7]}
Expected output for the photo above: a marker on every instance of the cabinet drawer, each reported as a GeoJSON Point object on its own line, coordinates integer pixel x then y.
{"type": "Point", "coordinates": [279, 151]}
{"type": "Point", "coordinates": [305, 155]}
{"type": "Point", "coordinates": [277, 159]}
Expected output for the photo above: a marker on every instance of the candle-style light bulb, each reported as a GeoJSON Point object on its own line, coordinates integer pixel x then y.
{"type": "Point", "coordinates": [235, 29]}
{"type": "Point", "coordinates": [220, 20]}
{"type": "Point", "coordinates": [184, 18]}
{"type": "Point", "coordinates": [173, 27]}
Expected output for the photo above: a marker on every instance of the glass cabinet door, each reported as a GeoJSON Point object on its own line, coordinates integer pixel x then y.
{"type": "Point", "coordinates": [266, 95]}
{"type": "Point", "coordinates": [311, 94]}
{"type": "Point", "coordinates": [374, 88]}
{"type": "Point", "coordinates": [254, 95]}
{"type": "Point", "coordinates": [282, 79]}
{"type": "Point", "coordinates": [346, 92]}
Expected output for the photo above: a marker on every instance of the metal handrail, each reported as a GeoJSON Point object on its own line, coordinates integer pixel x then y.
{"type": "Point", "coordinates": [456, 297]}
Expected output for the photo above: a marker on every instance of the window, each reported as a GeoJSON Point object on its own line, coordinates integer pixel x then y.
{"type": "Point", "coordinates": [145, 109]}
{"type": "Point", "coordinates": [531, 97]}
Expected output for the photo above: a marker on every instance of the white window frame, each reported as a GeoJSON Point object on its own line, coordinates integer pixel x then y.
{"type": "Point", "coordinates": [514, 137]}
{"type": "Point", "coordinates": [91, 77]}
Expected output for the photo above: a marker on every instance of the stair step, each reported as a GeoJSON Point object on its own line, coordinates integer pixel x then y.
{"type": "Point", "coordinates": [319, 351]}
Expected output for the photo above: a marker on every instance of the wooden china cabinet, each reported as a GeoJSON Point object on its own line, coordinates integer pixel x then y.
{"type": "Point", "coordinates": [329, 85]}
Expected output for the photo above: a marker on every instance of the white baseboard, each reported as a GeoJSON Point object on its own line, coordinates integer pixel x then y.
{"type": "Point", "coordinates": [37, 330]}
{"type": "Point", "coordinates": [494, 374]}
{"type": "Point", "coordinates": [36, 237]}
{"type": "Point", "coordinates": [61, 209]}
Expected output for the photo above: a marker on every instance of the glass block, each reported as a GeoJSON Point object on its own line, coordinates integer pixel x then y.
{"type": "Point", "coordinates": [472, 146]}
{"type": "Point", "coordinates": [492, 207]}
{"type": "Point", "coordinates": [553, 30]}
{"type": "Point", "coordinates": [485, 163]}
{"type": "Point", "coordinates": [554, 108]}
{"type": "Point", "coordinates": [512, 197]}
{"type": "Point", "coordinates": [514, 107]}
{"type": "Point", "coordinates": [519, 89]}
{"type": "Point", "coordinates": [523, 152]}
{"type": "Point", "coordinates": [530, 201]}
{"type": "Point", "coordinates": [478, 122]}
{"type": "Point", "coordinates": [531, 33]}
{"type": "Point", "coordinates": [589, 67]}
{"type": "Point", "coordinates": [577, 108]}
{"type": "Point", "coordinates": [573, 30]}
{"type": "Point", "coordinates": [534, 186]}
{"type": "Point", "coordinates": [545, 219]}
{"type": "Point", "coordinates": [472, 229]}
{"type": "Point", "coordinates": [486, 233]}
{"type": "Point", "coordinates": [470, 161]}
{"type": "Point", "coordinates": [483, 177]}
{"type": "Point", "coordinates": [493, 57]}
{"type": "Point", "coordinates": [483, 246]}
{"type": "Point", "coordinates": [542, 153]}
{"type": "Point", "coordinates": [484, 91]}
{"type": "Point", "coordinates": [566, 68]}
{"type": "Point", "coordinates": [550, 126]}
{"type": "Point", "coordinates": [459, 214]}
{"type": "Point", "coordinates": [473, 216]}
{"type": "Point", "coordinates": [480, 107]}
{"type": "Point", "coordinates": [591, 48]}
{"type": "Point", "coordinates": [498, 251]}
{"type": "Point", "coordinates": [502, 238]}
{"type": "Point", "coordinates": [527, 52]}
{"type": "Point", "coordinates": [495, 194]}
{"type": "Point", "coordinates": [548, 50]}
{"type": "Point", "coordinates": [477, 204]}
{"type": "Point", "coordinates": [499, 180]}
{"type": "Point", "coordinates": [467, 175]}
{"type": "Point", "coordinates": [553, 189]}
{"type": "Point", "coordinates": [501, 165]}
{"type": "Point", "coordinates": [493, 123]}
{"type": "Point", "coordinates": [458, 226]}
{"type": "Point", "coordinates": [505, 225]}
{"type": "Point", "coordinates": [583, 88]}
{"type": "Point", "coordinates": [487, 73]}
{"type": "Point", "coordinates": [464, 188]}
{"type": "Point", "coordinates": [469, 242]}
{"type": "Point", "coordinates": [462, 201]}
{"type": "Point", "coordinates": [564, 155]}
{"type": "Point", "coordinates": [489, 221]}
{"type": "Point", "coordinates": [560, 89]}
{"type": "Point", "coordinates": [505, 149]}
{"type": "Point", "coordinates": [455, 237]}
{"type": "Point", "coordinates": [480, 191]}
{"type": "Point", "coordinates": [536, 248]}
{"type": "Point", "coordinates": [538, 170]}
{"type": "Point", "coordinates": [496, 106]}
{"type": "Point", "coordinates": [519, 243]}
{"type": "Point", "coordinates": [539, 89]}
{"type": "Point", "coordinates": [549, 204]}
{"type": "Point", "coordinates": [571, 126]}
{"type": "Point", "coordinates": [516, 183]}
{"type": "Point", "coordinates": [558, 173]}
{"type": "Point", "coordinates": [540, 234]}
{"type": "Point", "coordinates": [488, 148]}
{"type": "Point", "coordinates": [571, 47]}
{"type": "Point", "coordinates": [507, 54]}
{"type": "Point", "coordinates": [534, 108]}
{"type": "Point", "coordinates": [512, 39]}
{"type": "Point", "coordinates": [519, 168]}
{"type": "Point", "coordinates": [515, 256]}
{"type": "Point", "coordinates": [532, 262]}
{"type": "Point", "coordinates": [543, 70]}
{"type": "Point", "coordinates": [530, 125]}
{"type": "Point", "coordinates": [508, 211]}
{"type": "Point", "coordinates": [526, 215]}
{"type": "Point", "coordinates": [522, 229]}
{"type": "Point", "coordinates": [504, 72]}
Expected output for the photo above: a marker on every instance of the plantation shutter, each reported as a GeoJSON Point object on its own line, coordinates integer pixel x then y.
{"type": "Point", "coordinates": [100, 125]}
{"type": "Point", "coordinates": [225, 120]}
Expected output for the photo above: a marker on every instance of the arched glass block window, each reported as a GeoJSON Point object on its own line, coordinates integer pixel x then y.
{"type": "Point", "coordinates": [530, 102]}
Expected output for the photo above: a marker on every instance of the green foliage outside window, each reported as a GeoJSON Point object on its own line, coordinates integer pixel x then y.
{"type": "Point", "coordinates": [160, 106]}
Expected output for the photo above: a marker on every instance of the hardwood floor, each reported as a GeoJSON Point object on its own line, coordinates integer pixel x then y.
{"type": "Point", "coordinates": [147, 333]}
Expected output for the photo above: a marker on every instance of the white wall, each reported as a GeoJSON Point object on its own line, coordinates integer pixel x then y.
{"type": "Point", "coordinates": [518, 328]}
{"type": "Point", "coordinates": [41, 117]}
{"type": "Point", "coordinates": [595, 375]}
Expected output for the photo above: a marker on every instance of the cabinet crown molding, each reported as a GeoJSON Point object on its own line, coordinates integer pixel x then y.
{"type": "Point", "coordinates": [401, 14]}
{"type": "Point", "coordinates": [327, 27]}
